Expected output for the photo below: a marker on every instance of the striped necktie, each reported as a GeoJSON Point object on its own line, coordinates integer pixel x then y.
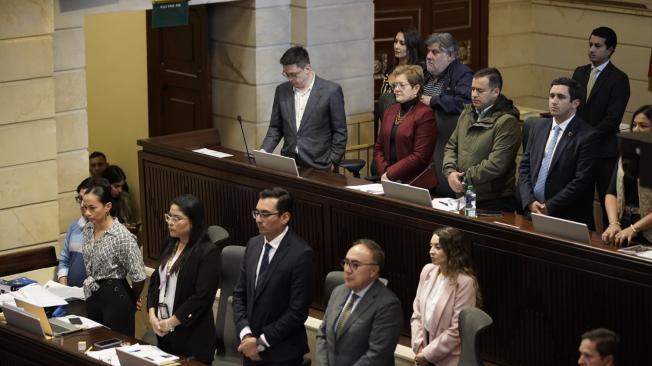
{"type": "Point", "coordinates": [346, 312]}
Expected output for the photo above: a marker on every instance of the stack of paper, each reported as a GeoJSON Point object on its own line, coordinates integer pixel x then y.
{"type": "Point", "coordinates": [65, 292]}
{"type": "Point", "coordinates": [448, 204]}
{"type": "Point", "coordinates": [373, 188]}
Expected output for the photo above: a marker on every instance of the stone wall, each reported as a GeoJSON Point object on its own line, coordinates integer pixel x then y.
{"type": "Point", "coordinates": [534, 41]}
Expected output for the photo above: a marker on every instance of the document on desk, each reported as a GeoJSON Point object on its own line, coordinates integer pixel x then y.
{"type": "Point", "coordinates": [85, 322]}
{"type": "Point", "coordinates": [373, 188]}
{"type": "Point", "coordinates": [448, 204]}
{"type": "Point", "coordinates": [65, 292]}
{"type": "Point", "coordinates": [149, 353]}
{"type": "Point", "coordinates": [217, 154]}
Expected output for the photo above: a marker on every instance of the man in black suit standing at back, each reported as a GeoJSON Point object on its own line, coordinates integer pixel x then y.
{"type": "Point", "coordinates": [606, 90]}
{"type": "Point", "coordinates": [274, 292]}
{"type": "Point", "coordinates": [556, 176]}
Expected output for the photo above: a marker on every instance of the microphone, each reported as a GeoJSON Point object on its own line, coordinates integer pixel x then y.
{"type": "Point", "coordinates": [249, 156]}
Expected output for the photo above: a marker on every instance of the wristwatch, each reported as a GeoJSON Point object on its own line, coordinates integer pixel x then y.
{"type": "Point", "coordinates": [260, 345]}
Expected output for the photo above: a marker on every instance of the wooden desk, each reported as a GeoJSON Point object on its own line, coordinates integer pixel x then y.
{"type": "Point", "coordinates": [18, 347]}
{"type": "Point", "coordinates": [542, 292]}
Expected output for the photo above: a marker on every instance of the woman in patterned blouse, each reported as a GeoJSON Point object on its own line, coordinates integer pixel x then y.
{"type": "Point", "coordinates": [111, 255]}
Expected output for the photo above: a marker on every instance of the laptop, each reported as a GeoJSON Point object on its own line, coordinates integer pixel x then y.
{"type": "Point", "coordinates": [51, 327]}
{"type": "Point", "coordinates": [408, 193]}
{"type": "Point", "coordinates": [565, 229]}
{"type": "Point", "coordinates": [19, 318]}
{"type": "Point", "coordinates": [276, 162]}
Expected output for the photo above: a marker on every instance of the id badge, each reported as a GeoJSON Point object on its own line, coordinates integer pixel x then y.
{"type": "Point", "coordinates": [163, 310]}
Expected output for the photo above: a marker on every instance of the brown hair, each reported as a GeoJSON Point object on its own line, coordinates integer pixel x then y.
{"type": "Point", "coordinates": [413, 74]}
{"type": "Point", "coordinates": [458, 257]}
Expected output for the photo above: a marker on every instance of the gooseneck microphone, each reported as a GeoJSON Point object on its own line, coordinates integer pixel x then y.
{"type": "Point", "coordinates": [249, 156]}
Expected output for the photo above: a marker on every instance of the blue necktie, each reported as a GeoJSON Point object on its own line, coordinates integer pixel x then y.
{"type": "Point", "coordinates": [264, 263]}
{"type": "Point", "coordinates": [540, 186]}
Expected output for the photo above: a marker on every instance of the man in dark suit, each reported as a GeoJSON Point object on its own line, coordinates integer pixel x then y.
{"type": "Point", "coordinates": [606, 89]}
{"type": "Point", "coordinates": [274, 292]}
{"type": "Point", "coordinates": [556, 175]}
{"type": "Point", "coordinates": [308, 113]}
{"type": "Point", "coordinates": [362, 322]}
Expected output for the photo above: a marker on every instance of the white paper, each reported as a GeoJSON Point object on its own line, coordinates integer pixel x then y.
{"type": "Point", "coordinates": [646, 254]}
{"type": "Point", "coordinates": [448, 204]}
{"type": "Point", "coordinates": [8, 298]}
{"type": "Point", "coordinates": [106, 355]}
{"type": "Point", "coordinates": [37, 295]}
{"type": "Point", "coordinates": [373, 188]}
{"type": "Point", "coordinates": [63, 291]}
{"type": "Point", "coordinates": [86, 323]}
{"type": "Point", "coordinates": [213, 153]}
{"type": "Point", "coordinates": [150, 353]}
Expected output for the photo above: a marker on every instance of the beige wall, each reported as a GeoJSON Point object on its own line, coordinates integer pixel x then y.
{"type": "Point", "coordinates": [533, 41]}
{"type": "Point", "coordinates": [116, 73]}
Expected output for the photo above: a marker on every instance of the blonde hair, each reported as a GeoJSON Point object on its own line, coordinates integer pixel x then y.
{"type": "Point", "coordinates": [413, 74]}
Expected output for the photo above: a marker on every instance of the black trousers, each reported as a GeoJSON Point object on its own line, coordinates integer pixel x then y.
{"type": "Point", "coordinates": [505, 204]}
{"type": "Point", "coordinates": [297, 362]}
{"type": "Point", "coordinates": [604, 170]}
{"type": "Point", "coordinates": [113, 305]}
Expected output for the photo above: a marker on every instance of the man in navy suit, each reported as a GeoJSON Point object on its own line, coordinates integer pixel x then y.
{"type": "Point", "coordinates": [308, 113]}
{"type": "Point", "coordinates": [556, 176]}
{"type": "Point", "coordinates": [606, 89]}
{"type": "Point", "coordinates": [274, 292]}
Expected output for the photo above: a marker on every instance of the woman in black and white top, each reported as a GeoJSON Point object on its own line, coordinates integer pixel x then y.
{"type": "Point", "coordinates": [111, 255]}
{"type": "Point", "coordinates": [182, 289]}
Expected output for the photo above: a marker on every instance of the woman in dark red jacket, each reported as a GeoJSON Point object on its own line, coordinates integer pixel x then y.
{"type": "Point", "coordinates": [403, 151]}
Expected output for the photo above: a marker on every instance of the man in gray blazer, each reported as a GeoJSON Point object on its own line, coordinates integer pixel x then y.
{"type": "Point", "coordinates": [308, 113]}
{"type": "Point", "coordinates": [362, 322]}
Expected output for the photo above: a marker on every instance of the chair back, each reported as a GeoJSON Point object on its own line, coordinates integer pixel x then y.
{"type": "Point", "coordinates": [232, 257]}
{"type": "Point", "coordinates": [472, 322]}
{"type": "Point", "coordinates": [336, 278]}
{"type": "Point", "coordinates": [217, 234]}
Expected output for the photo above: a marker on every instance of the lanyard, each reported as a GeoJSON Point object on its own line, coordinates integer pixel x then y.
{"type": "Point", "coordinates": [168, 271]}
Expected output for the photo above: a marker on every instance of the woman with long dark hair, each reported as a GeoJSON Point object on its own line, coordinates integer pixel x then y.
{"type": "Point", "coordinates": [446, 286]}
{"type": "Point", "coordinates": [182, 289]}
{"type": "Point", "coordinates": [124, 207]}
{"type": "Point", "coordinates": [111, 255]}
{"type": "Point", "coordinates": [628, 204]}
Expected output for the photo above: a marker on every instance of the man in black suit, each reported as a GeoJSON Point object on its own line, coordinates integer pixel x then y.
{"type": "Point", "coordinates": [274, 292]}
{"type": "Point", "coordinates": [606, 89]}
{"type": "Point", "coordinates": [556, 175]}
{"type": "Point", "coordinates": [308, 113]}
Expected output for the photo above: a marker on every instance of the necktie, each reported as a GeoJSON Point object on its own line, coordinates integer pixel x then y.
{"type": "Point", "coordinates": [264, 263]}
{"type": "Point", "coordinates": [540, 186]}
{"type": "Point", "coordinates": [589, 86]}
{"type": "Point", "coordinates": [346, 312]}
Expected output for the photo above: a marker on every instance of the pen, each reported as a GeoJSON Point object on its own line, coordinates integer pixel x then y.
{"type": "Point", "coordinates": [444, 203]}
{"type": "Point", "coordinates": [89, 349]}
{"type": "Point", "coordinates": [504, 224]}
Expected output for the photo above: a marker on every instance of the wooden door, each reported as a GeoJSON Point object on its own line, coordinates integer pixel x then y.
{"type": "Point", "coordinates": [178, 69]}
{"type": "Point", "coordinates": [466, 20]}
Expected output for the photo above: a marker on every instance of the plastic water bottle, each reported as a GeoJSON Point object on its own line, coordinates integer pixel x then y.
{"type": "Point", "coordinates": [469, 196]}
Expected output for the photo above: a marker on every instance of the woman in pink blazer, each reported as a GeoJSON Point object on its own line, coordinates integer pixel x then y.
{"type": "Point", "coordinates": [446, 286]}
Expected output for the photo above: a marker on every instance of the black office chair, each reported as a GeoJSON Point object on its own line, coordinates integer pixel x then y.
{"type": "Point", "coordinates": [226, 337]}
{"type": "Point", "coordinates": [336, 278]}
{"type": "Point", "coordinates": [353, 165]}
{"type": "Point", "coordinates": [217, 234]}
{"type": "Point", "coordinates": [473, 321]}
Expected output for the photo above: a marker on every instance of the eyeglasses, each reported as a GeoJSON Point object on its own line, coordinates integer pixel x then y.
{"type": "Point", "coordinates": [291, 75]}
{"type": "Point", "coordinates": [263, 215]}
{"type": "Point", "coordinates": [400, 85]}
{"type": "Point", "coordinates": [354, 264]}
{"type": "Point", "coordinates": [79, 199]}
{"type": "Point", "coordinates": [172, 219]}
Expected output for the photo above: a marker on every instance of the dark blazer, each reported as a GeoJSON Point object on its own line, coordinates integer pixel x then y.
{"type": "Point", "coordinates": [414, 141]}
{"type": "Point", "coordinates": [604, 108]}
{"type": "Point", "coordinates": [368, 337]}
{"type": "Point", "coordinates": [278, 307]}
{"type": "Point", "coordinates": [569, 187]}
{"type": "Point", "coordinates": [197, 284]}
{"type": "Point", "coordinates": [322, 134]}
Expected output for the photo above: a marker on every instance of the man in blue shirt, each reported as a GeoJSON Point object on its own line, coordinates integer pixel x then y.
{"type": "Point", "coordinates": [71, 270]}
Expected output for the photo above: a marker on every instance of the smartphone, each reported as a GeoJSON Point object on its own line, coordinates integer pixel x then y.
{"type": "Point", "coordinates": [76, 321]}
{"type": "Point", "coordinates": [107, 343]}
